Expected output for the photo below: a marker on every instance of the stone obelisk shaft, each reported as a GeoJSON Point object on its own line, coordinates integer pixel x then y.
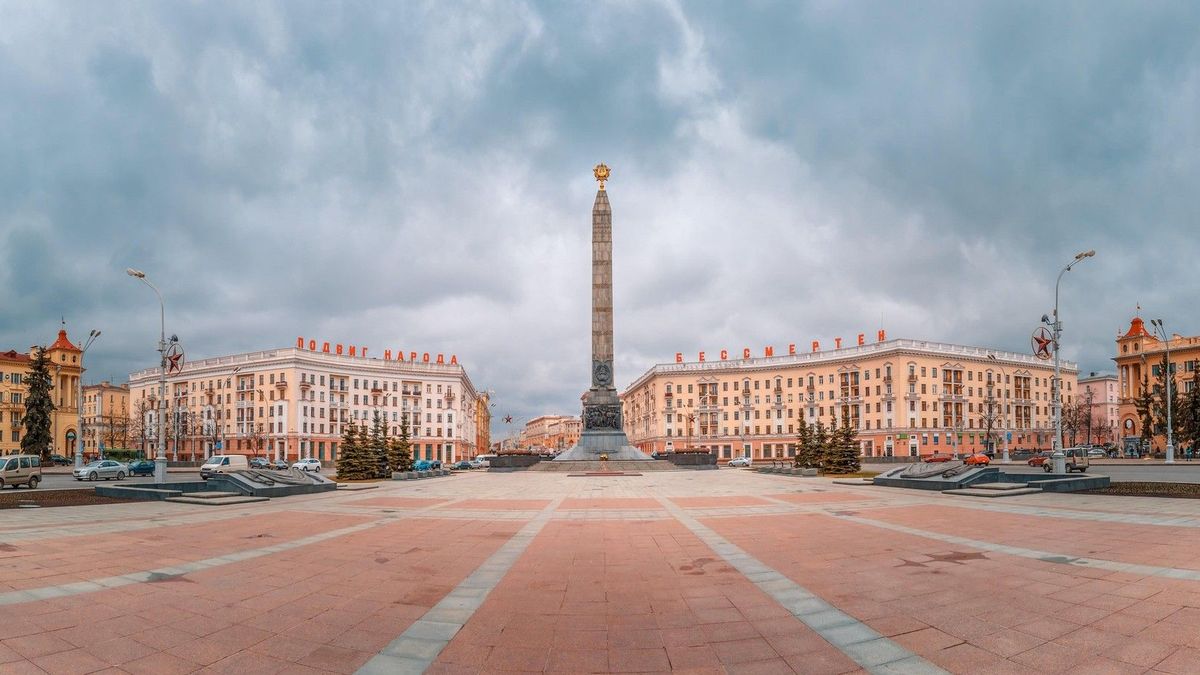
{"type": "Point", "coordinates": [602, 295]}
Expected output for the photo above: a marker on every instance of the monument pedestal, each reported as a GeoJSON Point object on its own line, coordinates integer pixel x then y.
{"type": "Point", "coordinates": [596, 442]}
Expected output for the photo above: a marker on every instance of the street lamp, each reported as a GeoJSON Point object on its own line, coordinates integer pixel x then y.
{"type": "Point", "coordinates": [160, 458]}
{"type": "Point", "coordinates": [79, 441]}
{"type": "Point", "coordinates": [1004, 380]}
{"type": "Point", "coordinates": [1056, 326]}
{"type": "Point", "coordinates": [1168, 376]}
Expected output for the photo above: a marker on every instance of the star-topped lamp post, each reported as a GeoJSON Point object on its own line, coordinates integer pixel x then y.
{"type": "Point", "coordinates": [1056, 328]}
{"type": "Point", "coordinates": [160, 458]}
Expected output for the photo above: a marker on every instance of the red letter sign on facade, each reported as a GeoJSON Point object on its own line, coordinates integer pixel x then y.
{"type": "Point", "coordinates": [837, 343]}
{"type": "Point", "coordinates": [454, 359]}
{"type": "Point", "coordinates": [745, 352]}
{"type": "Point", "coordinates": [300, 342]}
{"type": "Point", "coordinates": [768, 351]}
{"type": "Point", "coordinates": [312, 345]}
{"type": "Point", "coordinates": [881, 335]}
{"type": "Point", "coordinates": [337, 349]}
{"type": "Point", "coordinates": [324, 347]}
{"type": "Point", "coordinates": [701, 357]}
{"type": "Point", "coordinates": [861, 339]}
{"type": "Point", "coordinates": [816, 346]}
{"type": "Point", "coordinates": [387, 355]}
{"type": "Point", "coordinates": [792, 349]}
{"type": "Point", "coordinates": [724, 354]}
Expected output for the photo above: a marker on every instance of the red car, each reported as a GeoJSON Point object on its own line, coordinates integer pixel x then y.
{"type": "Point", "coordinates": [935, 457]}
{"type": "Point", "coordinates": [1037, 460]}
{"type": "Point", "coordinates": [977, 460]}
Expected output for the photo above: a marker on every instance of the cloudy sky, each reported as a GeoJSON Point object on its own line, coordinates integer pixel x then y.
{"type": "Point", "coordinates": [418, 175]}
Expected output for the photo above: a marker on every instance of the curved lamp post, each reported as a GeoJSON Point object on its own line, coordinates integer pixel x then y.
{"type": "Point", "coordinates": [79, 441]}
{"type": "Point", "coordinates": [1057, 329]}
{"type": "Point", "coordinates": [1157, 324]}
{"type": "Point", "coordinates": [160, 458]}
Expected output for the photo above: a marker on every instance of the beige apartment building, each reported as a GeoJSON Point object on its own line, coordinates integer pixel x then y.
{"type": "Point", "coordinates": [65, 371]}
{"type": "Point", "coordinates": [552, 432]}
{"type": "Point", "coordinates": [1098, 398]}
{"type": "Point", "coordinates": [295, 402]}
{"type": "Point", "coordinates": [905, 398]}
{"type": "Point", "coordinates": [106, 419]}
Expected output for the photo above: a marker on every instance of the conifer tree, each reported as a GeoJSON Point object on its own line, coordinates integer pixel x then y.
{"type": "Point", "coordinates": [1144, 405]}
{"type": "Point", "coordinates": [1191, 412]}
{"type": "Point", "coordinates": [820, 444]}
{"type": "Point", "coordinates": [806, 451]}
{"type": "Point", "coordinates": [378, 446]}
{"type": "Point", "coordinates": [39, 406]}
{"type": "Point", "coordinates": [351, 463]}
{"type": "Point", "coordinates": [843, 453]}
{"type": "Point", "coordinates": [400, 450]}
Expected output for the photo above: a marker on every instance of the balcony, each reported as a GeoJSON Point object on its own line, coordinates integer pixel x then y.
{"type": "Point", "coordinates": [281, 384]}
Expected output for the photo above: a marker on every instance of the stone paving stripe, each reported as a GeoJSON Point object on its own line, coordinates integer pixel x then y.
{"type": "Point", "coordinates": [92, 585]}
{"type": "Point", "coordinates": [415, 650]}
{"type": "Point", "coordinates": [874, 652]}
{"type": "Point", "coordinates": [1044, 556]}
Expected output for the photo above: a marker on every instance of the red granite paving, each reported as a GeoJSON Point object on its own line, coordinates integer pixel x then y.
{"type": "Point", "coordinates": [501, 504]}
{"type": "Point", "coordinates": [329, 606]}
{"type": "Point", "coordinates": [611, 503]}
{"type": "Point", "coordinates": [718, 502]}
{"type": "Point", "coordinates": [821, 497]}
{"type": "Point", "coordinates": [402, 502]}
{"type": "Point", "coordinates": [632, 596]}
{"type": "Point", "coordinates": [971, 611]}
{"type": "Point", "coordinates": [1120, 542]}
{"type": "Point", "coordinates": [52, 562]}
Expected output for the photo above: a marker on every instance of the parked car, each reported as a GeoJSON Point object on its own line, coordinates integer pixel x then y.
{"type": "Point", "coordinates": [478, 463]}
{"type": "Point", "coordinates": [280, 465]}
{"type": "Point", "coordinates": [938, 457]}
{"type": "Point", "coordinates": [223, 464]}
{"type": "Point", "coordinates": [464, 465]}
{"type": "Point", "coordinates": [308, 464]}
{"type": "Point", "coordinates": [17, 470]}
{"type": "Point", "coordinates": [486, 460]}
{"type": "Point", "coordinates": [977, 459]}
{"type": "Point", "coordinates": [1096, 452]}
{"type": "Point", "coordinates": [59, 460]}
{"type": "Point", "coordinates": [1076, 459]}
{"type": "Point", "coordinates": [259, 463]}
{"type": "Point", "coordinates": [423, 465]}
{"type": "Point", "coordinates": [1038, 459]}
{"type": "Point", "coordinates": [740, 461]}
{"type": "Point", "coordinates": [141, 467]}
{"type": "Point", "coordinates": [101, 468]}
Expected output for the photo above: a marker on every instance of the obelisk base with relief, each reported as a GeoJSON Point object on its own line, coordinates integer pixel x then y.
{"type": "Point", "coordinates": [603, 434]}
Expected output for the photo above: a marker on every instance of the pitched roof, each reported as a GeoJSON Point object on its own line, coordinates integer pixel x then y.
{"type": "Point", "coordinates": [63, 343]}
{"type": "Point", "coordinates": [14, 356]}
{"type": "Point", "coordinates": [1137, 328]}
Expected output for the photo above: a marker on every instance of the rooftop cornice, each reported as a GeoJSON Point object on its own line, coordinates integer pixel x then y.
{"type": "Point", "coordinates": [854, 353]}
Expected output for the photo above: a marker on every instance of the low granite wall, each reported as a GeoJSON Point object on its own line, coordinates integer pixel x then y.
{"type": "Point", "coordinates": [692, 459]}
{"type": "Point", "coordinates": [513, 462]}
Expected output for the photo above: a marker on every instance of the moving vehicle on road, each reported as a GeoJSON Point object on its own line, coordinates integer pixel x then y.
{"type": "Point", "coordinates": [977, 459]}
{"type": "Point", "coordinates": [59, 460]}
{"type": "Point", "coordinates": [1038, 459]}
{"type": "Point", "coordinates": [740, 461]}
{"type": "Point", "coordinates": [280, 465]}
{"type": "Point", "coordinates": [223, 464]}
{"type": "Point", "coordinates": [17, 470]}
{"type": "Point", "coordinates": [101, 468]}
{"type": "Point", "coordinates": [308, 464]}
{"type": "Point", "coordinates": [141, 467]}
{"type": "Point", "coordinates": [1095, 452]}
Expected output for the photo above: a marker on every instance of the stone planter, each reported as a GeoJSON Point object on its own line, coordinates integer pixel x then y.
{"type": "Point", "coordinates": [692, 459]}
{"type": "Point", "coordinates": [513, 461]}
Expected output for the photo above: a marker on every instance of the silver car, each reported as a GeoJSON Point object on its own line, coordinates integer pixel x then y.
{"type": "Point", "coordinates": [102, 468]}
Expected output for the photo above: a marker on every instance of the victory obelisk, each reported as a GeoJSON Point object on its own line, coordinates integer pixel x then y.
{"type": "Point", "coordinates": [602, 431]}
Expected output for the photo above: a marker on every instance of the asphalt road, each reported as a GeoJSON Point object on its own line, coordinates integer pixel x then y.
{"type": "Point", "coordinates": [57, 481]}
{"type": "Point", "coordinates": [1180, 472]}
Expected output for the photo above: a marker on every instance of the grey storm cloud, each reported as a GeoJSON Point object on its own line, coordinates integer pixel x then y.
{"type": "Point", "coordinates": [417, 175]}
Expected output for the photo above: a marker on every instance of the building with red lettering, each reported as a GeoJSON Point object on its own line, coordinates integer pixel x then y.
{"type": "Point", "coordinates": [295, 402]}
{"type": "Point", "coordinates": [904, 397]}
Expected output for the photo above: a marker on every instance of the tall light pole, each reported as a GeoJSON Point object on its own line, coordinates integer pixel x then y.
{"type": "Point", "coordinates": [1003, 402]}
{"type": "Point", "coordinates": [1168, 376]}
{"type": "Point", "coordinates": [160, 459]}
{"type": "Point", "coordinates": [1057, 328]}
{"type": "Point", "coordinates": [79, 437]}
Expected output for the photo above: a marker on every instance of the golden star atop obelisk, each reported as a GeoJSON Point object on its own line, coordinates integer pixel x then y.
{"type": "Point", "coordinates": [601, 173]}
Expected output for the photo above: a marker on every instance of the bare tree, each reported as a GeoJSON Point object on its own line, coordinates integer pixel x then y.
{"type": "Point", "coordinates": [139, 429]}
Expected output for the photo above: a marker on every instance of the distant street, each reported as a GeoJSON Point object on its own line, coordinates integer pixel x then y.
{"type": "Point", "coordinates": [60, 481]}
{"type": "Point", "coordinates": [1119, 471]}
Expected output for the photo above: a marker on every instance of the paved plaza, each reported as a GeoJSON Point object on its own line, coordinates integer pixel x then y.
{"type": "Point", "coordinates": [705, 572]}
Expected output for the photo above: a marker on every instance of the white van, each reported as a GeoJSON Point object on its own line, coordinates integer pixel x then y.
{"type": "Point", "coordinates": [223, 464]}
{"type": "Point", "coordinates": [485, 460]}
